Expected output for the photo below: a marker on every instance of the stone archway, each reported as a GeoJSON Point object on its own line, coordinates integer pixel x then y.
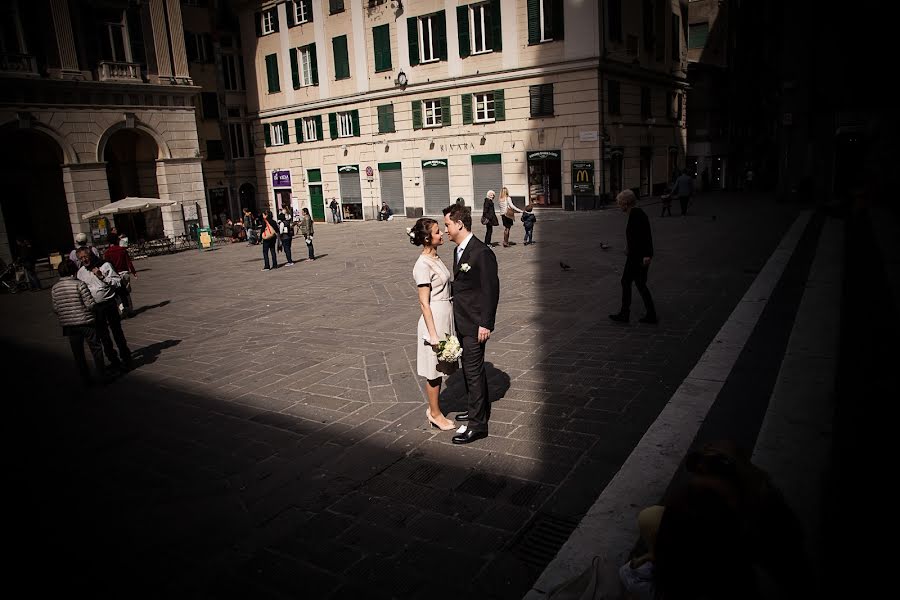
{"type": "Point", "coordinates": [131, 170]}
{"type": "Point", "coordinates": [34, 205]}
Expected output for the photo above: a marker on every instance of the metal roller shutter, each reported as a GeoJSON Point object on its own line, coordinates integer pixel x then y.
{"type": "Point", "coordinates": [350, 190]}
{"type": "Point", "coordinates": [486, 177]}
{"type": "Point", "coordinates": [392, 189]}
{"type": "Point", "coordinates": [437, 189]}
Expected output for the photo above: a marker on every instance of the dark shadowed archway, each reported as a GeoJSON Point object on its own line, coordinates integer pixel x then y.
{"type": "Point", "coordinates": [130, 156]}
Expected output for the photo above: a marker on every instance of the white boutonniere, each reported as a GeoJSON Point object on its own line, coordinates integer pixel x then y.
{"type": "Point", "coordinates": [465, 267]}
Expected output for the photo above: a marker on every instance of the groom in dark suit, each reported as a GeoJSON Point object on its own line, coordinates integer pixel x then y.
{"type": "Point", "coordinates": [476, 292]}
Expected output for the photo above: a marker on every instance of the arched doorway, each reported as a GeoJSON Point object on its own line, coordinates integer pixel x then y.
{"type": "Point", "coordinates": [130, 156]}
{"type": "Point", "coordinates": [34, 200]}
{"type": "Point", "coordinates": [247, 194]}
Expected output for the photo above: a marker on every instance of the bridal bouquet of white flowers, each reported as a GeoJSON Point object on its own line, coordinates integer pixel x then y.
{"type": "Point", "coordinates": [448, 351]}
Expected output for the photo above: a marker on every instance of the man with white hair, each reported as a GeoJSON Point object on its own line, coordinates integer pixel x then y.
{"type": "Point", "coordinates": [639, 253]}
{"type": "Point", "coordinates": [81, 241]}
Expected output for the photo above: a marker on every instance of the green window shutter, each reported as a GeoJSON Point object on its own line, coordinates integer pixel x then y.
{"type": "Point", "coordinates": [341, 59]}
{"type": "Point", "coordinates": [612, 95]}
{"type": "Point", "coordinates": [258, 18]}
{"type": "Point", "coordinates": [462, 29]}
{"type": "Point", "coordinates": [697, 34]}
{"type": "Point", "coordinates": [267, 134]}
{"type": "Point", "coordinates": [319, 134]}
{"type": "Point", "coordinates": [467, 109]}
{"type": "Point", "coordinates": [332, 125]}
{"type": "Point", "coordinates": [313, 63]}
{"type": "Point", "coordinates": [440, 35]}
{"type": "Point", "coordinates": [298, 127]}
{"type": "Point", "coordinates": [295, 70]}
{"type": "Point", "coordinates": [534, 22]}
{"type": "Point", "coordinates": [354, 116]}
{"type": "Point", "coordinates": [286, 132]}
{"type": "Point", "coordinates": [412, 36]}
{"type": "Point", "coordinates": [386, 118]}
{"type": "Point", "coordinates": [289, 12]}
{"type": "Point", "coordinates": [275, 18]}
{"type": "Point", "coordinates": [417, 114]}
{"type": "Point", "coordinates": [445, 111]}
{"type": "Point", "coordinates": [381, 37]}
{"type": "Point", "coordinates": [676, 37]}
{"type": "Point", "coordinates": [496, 33]}
{"type": "Point", "coordinates": [272, 73]}
{"type": "Point", "coordinates": [557, 20]}
{"type": "Point", "coordinates": [499, 106]}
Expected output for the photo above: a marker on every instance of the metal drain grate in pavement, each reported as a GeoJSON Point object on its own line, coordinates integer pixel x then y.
{"type": "Point", "coordinates": [424, 473]}
{"type": "Point", "coordinates": [542, 539]}
{"type": "Point", "coordinates": [481, 485]}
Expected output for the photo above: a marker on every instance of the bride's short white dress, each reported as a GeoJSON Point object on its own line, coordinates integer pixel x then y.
{"type": "Point", "coordinates": [433, 271]}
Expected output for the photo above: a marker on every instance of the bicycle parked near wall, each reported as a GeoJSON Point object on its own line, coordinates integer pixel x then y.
{"type": "Point", "coordinates": [12, 277]}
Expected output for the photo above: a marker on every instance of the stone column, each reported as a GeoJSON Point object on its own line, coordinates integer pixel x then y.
{"type": "Point", "coordinates": [176, 37]}
{"type": "Point", "coordinates": [180, 180]}
{"type": "Point", "coordinates": [161, 39]}
{"type": "Point", "coordinates": [65, 41]}
{"type": "Point", "coordinates": [86, 188]}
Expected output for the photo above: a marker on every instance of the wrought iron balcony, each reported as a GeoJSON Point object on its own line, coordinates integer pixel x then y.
{"type": "Point", "coordinates": [118, 71]}
{"type": "Point", "coordinates": [18, 64]}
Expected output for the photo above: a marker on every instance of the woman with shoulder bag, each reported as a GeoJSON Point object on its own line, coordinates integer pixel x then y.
{"type": "Point", "coordinates": [269, 238]}
{"type": "Point", "coordinates": [509, 210]}
{"type": "Point", "coordinates": [489, 217]}
{"type": "Point", "coordinates": [306, 230]}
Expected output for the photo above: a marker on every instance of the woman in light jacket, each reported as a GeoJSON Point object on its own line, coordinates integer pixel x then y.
{"type": "Point", "coordinates": [508, 209]}
{"type": "Point", "coordinates": [306, 230]}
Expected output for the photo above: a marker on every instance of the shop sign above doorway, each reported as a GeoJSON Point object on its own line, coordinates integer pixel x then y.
{"type": "Point", "coordinates": [281, 179]}
{"type": "Point", "coordinates": [541, 155]}
{"type": "Point", "coordinates": [348, 169]}
{"type": "Point", "coordinates": [431, 164]}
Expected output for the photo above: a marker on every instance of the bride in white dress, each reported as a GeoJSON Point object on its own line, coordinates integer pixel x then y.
{"type": "Point", "coordinates": [433, 284]}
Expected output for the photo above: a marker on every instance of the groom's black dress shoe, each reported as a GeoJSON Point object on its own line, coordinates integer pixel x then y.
{"type": "Point", "coordinates": [470, 436]}
{"type": "Point", "coordinates": [463, 416]}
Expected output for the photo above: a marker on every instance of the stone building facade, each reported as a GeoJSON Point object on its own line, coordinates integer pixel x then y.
{"type": "Point", "coordinates": [95, 105]}
{"type": "Point", "coordinates": [565, 103]}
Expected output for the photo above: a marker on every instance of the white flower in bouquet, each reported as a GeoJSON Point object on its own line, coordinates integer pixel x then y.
{"type": "Point", "coordinates": [449, 350]}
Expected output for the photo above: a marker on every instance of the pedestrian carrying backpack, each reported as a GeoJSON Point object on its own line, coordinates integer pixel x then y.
{"type": "Point", "coordinates": [283, 226]}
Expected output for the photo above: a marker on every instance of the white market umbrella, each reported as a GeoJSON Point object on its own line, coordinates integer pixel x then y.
{"type": "Point", "coordinates": [130, 204]}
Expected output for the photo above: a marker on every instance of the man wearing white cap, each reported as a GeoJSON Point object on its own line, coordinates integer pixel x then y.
{"type": "Point", "coordinates": [81, 240]}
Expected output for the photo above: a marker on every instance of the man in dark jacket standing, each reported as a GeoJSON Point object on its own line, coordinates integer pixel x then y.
{"type": "Point", "coordinates": [639, 252]}
{"type": "Point", "coordinates": [476, 293]}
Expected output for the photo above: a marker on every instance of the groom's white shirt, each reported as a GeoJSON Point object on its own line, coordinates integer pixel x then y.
{"type": "Point", "coordinates": [462, 247]}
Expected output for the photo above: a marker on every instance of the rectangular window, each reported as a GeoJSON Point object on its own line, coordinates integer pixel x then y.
{"type": "Point", "coordinates": [234, 112]}
{"type": "Point", "coordinates": [305, 57]}
{"type": "Point", "coordinates": [612, 98]}
{"type": "Point", "coordinates": [386, 118]}
{"type": "Point", "coordinates": [646, 103]}
{"type": "Point", "coordinates": [545, 20]}
{"type": "Point", "coordinates": [482, 33]}
{"type": "Point", "coordinates": [279, 133]}
{"type": "Point", "coordinates": [272, 73]}
{"type": "Point", "coordinates": [341, 58]}
{"type": "Point", "coordinates": [309, 129]}
{"type": "Point", "coordinates": [676, 38]}
{"type": "Point", "coordinates": [614, 17]}
{"type": "Point", "coordinates": [237, 137]}
{"type": "Point", "coordinates": [198, 47]}
{"type": "Point", "coordinates": [432, 109]}
{"type": "Point", "coordinates": [114, 39]}
{"type": "Point", "coordinates": [541, 100]}
{"type": "Point", "coordinates": [345, 124]}
{"type": "Point", "coordinates": [233, 72]}
{"type": "Point", "coordinates": [268, 21]}
{"type": "Point", "coordinates": [335, 6]}
{"type": "Point", "coordinates": [484, 108]}
{"type": "Point", "coordinates": [381, 37]}
{"type": "Point", "coordinates": [427, 26]}
{"type": "Point", "coordinates": [697, 34]}
{"type": "Point", "coordinates": [301, 12]}
{"type": "Point", "coordinates": [210, 105]}
{"type": "Point", "coordinates": [214, 150]}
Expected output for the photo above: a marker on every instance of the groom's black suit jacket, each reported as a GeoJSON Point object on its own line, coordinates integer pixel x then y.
{"type": "Point", "coordinates": [476, 292]}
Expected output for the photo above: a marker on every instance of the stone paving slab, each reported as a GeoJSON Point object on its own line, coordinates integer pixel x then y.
{"type": "Point", "coordinates": [271, 441]}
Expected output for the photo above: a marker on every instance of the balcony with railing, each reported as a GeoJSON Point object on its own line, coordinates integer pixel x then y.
{"type": "Point", "coordinates": [118, 71]}
{"type": "Point", "coordinates": [13, 63]}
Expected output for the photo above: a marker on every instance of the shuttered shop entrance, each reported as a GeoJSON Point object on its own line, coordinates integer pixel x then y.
{"type": "Point", "coordinates": [351, 196]}
{"type": "Point", "coordinates": [391, 177]}
{"type": "Point", "coordinates": [437, 186]}
{"type": "Point", "coordinates": [487, 174]}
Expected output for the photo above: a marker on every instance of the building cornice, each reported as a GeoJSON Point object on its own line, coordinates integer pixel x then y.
{"type": "Point", "coordinates": [615, 67]}
{"type": "Point", "coordinates": [120, 87]}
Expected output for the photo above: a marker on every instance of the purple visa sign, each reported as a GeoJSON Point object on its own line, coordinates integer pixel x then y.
{"type": "Point", "coordinates": [281, 179]}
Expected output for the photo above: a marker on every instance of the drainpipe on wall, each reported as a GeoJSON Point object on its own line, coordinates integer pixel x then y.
{"type": "Point", "coordinates": [604, 137]}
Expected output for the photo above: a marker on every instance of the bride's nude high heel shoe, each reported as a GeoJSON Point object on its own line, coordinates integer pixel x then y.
{"type": "Point", "coordinates": [435, 424]}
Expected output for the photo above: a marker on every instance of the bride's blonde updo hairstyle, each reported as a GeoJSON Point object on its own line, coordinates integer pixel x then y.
{"type": "Point", "coordinates": [420, 233]}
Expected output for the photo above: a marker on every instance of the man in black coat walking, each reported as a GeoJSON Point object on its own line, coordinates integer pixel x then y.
{"type": "Point", "coordinates": [639, 252]}
{"type": "Point", "coordinates": [476, 293]}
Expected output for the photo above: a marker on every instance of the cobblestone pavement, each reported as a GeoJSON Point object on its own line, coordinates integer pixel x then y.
{"type": "Point", "coordinates": [272, 443]}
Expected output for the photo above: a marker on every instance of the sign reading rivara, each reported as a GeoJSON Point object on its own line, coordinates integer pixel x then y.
{"type": "Point", "coordinates": [583, 177]}
{"type": "Point", "coordinates": [281, 178]}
